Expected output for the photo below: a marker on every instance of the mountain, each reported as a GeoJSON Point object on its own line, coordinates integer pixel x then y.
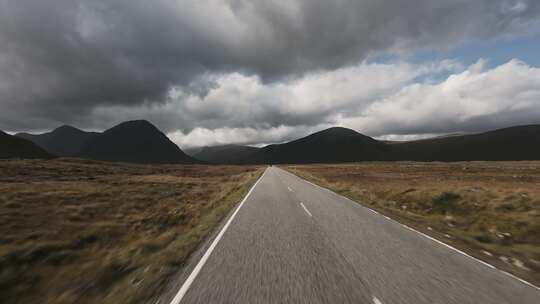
{"type": "Point", "coordinates": [15, 147]}
{"type": "Point", "coordinates": [63, 141]}
{"type": "Point", "coordinates": [226, 154]}
{"type": "Point", "coordinates": [140, 141]}
{"type": "Point", "coordinates": [192, 151]}
{"type": "Point", "coordinates": [514, 143]}
{"type": "Point", "coordinates": [134, 141]}
{"type": "Point", "coordinates": [337, 144]}
{"type": "Point", "coordinates": [332, 145]}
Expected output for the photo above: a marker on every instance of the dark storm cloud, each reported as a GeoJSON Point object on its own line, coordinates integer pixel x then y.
{"type": "Point", "coordinates": [60, 60]}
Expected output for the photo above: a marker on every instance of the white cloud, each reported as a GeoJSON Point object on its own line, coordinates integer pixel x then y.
{"type": "Point", "coordinates": [392, 100]}
{"type": "Point", "coordinates": [237, 100]}
{"type": "Point", "coordinates": [472, 100]}
{"type": "Point", "coordinates": [247, 136]}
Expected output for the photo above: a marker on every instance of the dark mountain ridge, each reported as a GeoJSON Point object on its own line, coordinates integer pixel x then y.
{"type": "Point", "coordinates": [140, 141]}
{"type": "Point", "coordinates": [513, 143]}
{"type": "Point", "coordinates": [226, 154]}
{"type": "Point", "coordinates": [332, 145]}
{"type": "Point", "coordinates": [64, 141]}
{"type": "Point", "coordinates": [134, 141]}
{"type": "Point", "coordinates": [131, 141]}
{"type": "Point", "coordinates": [339, 144]}
{"type": "Point", "coordinates": [16, 147]}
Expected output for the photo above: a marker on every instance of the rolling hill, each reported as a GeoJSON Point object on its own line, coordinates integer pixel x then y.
{"type": "Point", "coordinates": [65, 141]}
{"type": "Point", "coordinates": [134, 141]}
{"type": "Point", "coordinates": [332, 145]}
{"type": "Point", "coordinates": [338, 144]}
{"type": "Point", "coordinates": [514, 143]}
{"type": "Point", "coordinates": [15, 147]}
{"type": "Point", "coordinates": [140, 141]}
{"type": "Point", "coordinates": [226, 154]}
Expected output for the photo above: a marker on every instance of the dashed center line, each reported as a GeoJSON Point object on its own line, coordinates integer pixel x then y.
{"type": "Point", "coordinates": [376, 301]}
{"type": "Point", "coordinates": [305, 209]}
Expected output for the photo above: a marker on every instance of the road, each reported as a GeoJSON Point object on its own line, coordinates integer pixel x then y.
{"type": "Point", "coordinates": [292, 242]}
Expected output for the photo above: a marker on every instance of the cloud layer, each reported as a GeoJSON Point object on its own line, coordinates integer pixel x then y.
{"type": "Point", "coordinates": [233, 64]}
{"type": "Point", "coordinates": [384, 100]}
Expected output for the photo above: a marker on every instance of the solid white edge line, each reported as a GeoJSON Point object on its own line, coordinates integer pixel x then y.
{"type": "Point", "coordinates": [423, 234]}
{"type": "Point", "coordinates": [185, 287]}
{"type": "Point", "coordinates": [376, 301]}
{"type": "Point", "coordinates": [305, 209]}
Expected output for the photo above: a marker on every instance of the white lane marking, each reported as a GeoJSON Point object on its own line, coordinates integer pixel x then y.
{"type": "Point", "coordinates": [307, 211]}
{"type": "Point", "coordinates": [182, 292]}
{"type": "Point", "coordinates": [376, 301]}
{"type": "Point", "coordinates": [421, 233]}
{"type": "Point", "coordinates": [289, 189]}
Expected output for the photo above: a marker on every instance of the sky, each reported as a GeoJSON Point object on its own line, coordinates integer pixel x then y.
{"type": "Point", "coordinates": [210, 72]}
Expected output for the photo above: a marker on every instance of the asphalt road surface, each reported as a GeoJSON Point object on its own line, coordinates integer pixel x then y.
{"type": "Point", "coordinates": [292, 242]}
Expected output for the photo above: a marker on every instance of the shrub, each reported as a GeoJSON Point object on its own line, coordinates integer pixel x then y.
{"type": "Point", "coordinates": [484, 238]}
{"type": "Point", "coordinates": [446, 202]}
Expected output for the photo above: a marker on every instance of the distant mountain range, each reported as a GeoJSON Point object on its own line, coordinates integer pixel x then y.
{"type": "Point", "coordinates": [226, 154]}
{"type": "Point", "coordinates": [337, 145]}
{"type": "Point", "coordinates": [132, 141]}
{"type": "Point", "coordinates": [140, 141]}
{"type": "Point", "coordinates": [514, 143]}
{"type": "Point", "coordinates": [15, 147]}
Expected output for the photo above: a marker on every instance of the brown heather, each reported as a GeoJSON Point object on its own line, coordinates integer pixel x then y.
{"type": "Point", "coordinates": [491, 210]}
{"type": "Point", "coordinates": [74, 231]}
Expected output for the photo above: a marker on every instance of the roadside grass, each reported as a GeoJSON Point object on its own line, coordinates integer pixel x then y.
{"type": "Point", "coordinates": [76, 231]}
{"type": "Point", "coordinates": [491, 210]}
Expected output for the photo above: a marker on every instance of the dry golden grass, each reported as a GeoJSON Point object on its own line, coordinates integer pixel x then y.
{"type": "Point", "coordinates": [74, 231]}
{"type": "Point", "coordinates": [489, 209]}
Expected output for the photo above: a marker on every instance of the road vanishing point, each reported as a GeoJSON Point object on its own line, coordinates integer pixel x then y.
{"type": "Point", "coordinates": [290, 241]}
